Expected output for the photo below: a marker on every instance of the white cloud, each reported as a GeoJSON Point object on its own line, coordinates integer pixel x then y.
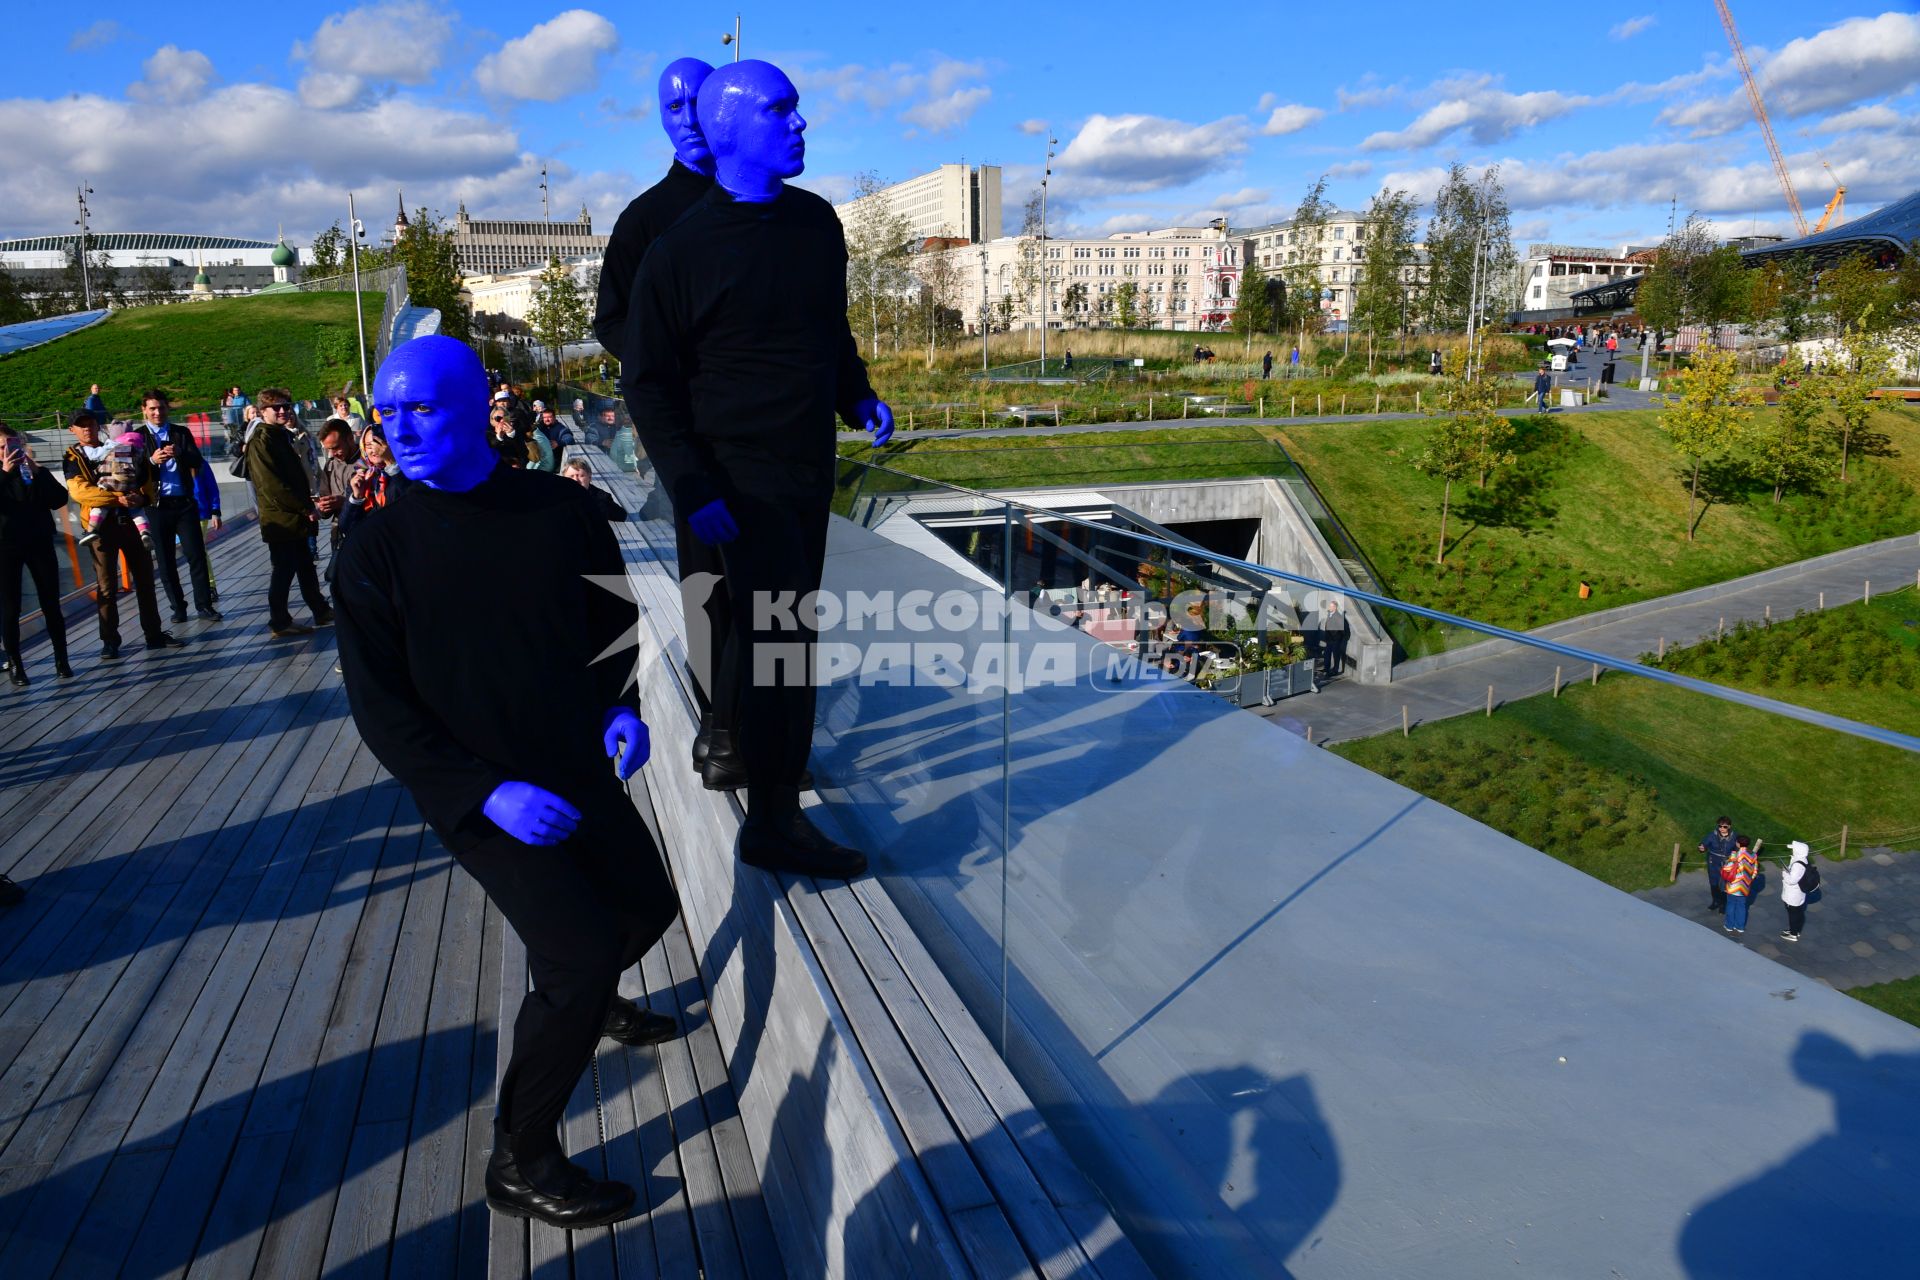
{"type": "Point", "coordinates": [1031, 127]}
{"type": "Point", "coordinates": [945, 114]}
{"type": "Point", "coordinates": [1370, 94]}
{"type": "Point", "coordinates": [1148, 153]}
{"type": "Point", "coordinates": [1487, 114]}
{"type": "Point", "coordinates": [105, 31]}
{"type": "Point", "coordinates": [555, 60]}
{"type": "Point", "coordinates": [1850, 62]}
{"type": "Point", "coordinates": [1878, 116]}
{"type": "Point", "coordinates": [1288, 117]}
{"type": "Point", "coordinates": [1243, 197]}
{"type": "Point", "coordinates": [1632, 27]}
{"type": "Point", "coordinates": [398, 42]}
{"type": "Point", "coordinates": [173, 74]}
{"type": "Point", "coordinates": [1350, 169]}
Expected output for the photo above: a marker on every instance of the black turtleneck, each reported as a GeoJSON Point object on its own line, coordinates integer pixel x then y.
{"type": "Point", "coordinates": [739, 355]}
{"type": "Point", "coordinates": [650, 213]}
{"type": "Point", "coordinates": [468, 637]}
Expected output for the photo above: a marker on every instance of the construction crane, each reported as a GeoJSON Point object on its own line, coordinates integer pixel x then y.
{"type": "Point", "coordinates": [1760, 114]}
{"type": "Point", "coordinates": [1836, 211]}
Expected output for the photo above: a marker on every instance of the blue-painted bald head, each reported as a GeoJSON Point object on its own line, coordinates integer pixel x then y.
{"type": "Point", "coordinates": [750, 114]}
{"type": "Point", "coordinates": [431, 394]}
{"type": "Point", "coordinates": [679, 92]}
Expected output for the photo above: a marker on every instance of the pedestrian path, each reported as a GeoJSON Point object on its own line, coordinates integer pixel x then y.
{"type": "Point", "coordinates": [1863, 927]}
{"type": "Point", "coordinates": [1344, 709]}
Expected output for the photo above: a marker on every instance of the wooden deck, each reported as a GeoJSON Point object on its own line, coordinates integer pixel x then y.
{"type": "Point", "coordinates": [250, 1015]}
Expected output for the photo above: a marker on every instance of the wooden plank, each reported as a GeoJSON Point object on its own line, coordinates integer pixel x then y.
{"type": "Point", "coordinates": [362, 1228]}
{"type": "Point", "coordinates": [593, 1249]}
{"type": "Point", "coordinates": [664, 1189]}
{"type": "Point", "coordinates": [475, 1224]}
{"type": "Point", "coordinates": [507, 1251]}
{"type": "Point", "coordinates": [99, 1247]}
{"type": "Point", "coordinates": [633, 1239]}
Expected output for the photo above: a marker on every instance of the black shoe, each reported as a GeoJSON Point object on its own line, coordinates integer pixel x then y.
{"type": "Point", "coordinates": [109, 652]}
{"type": "Point", "coordinates": [165, 640]}
{"type": "Point", "coordinates": [180, 615]}
{"type": "Point", "coordinates": [628, 1023]}
{"type": "Point", "coordinates": [61, 669]}
{"type": "Point", "coordinates": [289, 630]}
{"type": "Point", "coordinates": [323, 617]}
{"type": "Point", "coordinates": [569, 1199]}
{"type": "Point", "coordinates": [11, 894]}
{"type": "Point", "coordinates": [211, 615]}
{"type": "Point", "coordinates": [790, 842]}
{"type": "Point", "coordinates": [17, 675]}
{"type": "Point", "coordinates": [724, 769]}
{"type": "Point", "coordinates": [702, 742]}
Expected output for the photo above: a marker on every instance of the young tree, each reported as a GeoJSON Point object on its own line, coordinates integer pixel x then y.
{"type": "Point", "coordinates": [1862, 363]}
{"type": "Point", "coordinates": [1794, 449]}
{"type": "Point", "coordinates": [1470, 216]}
{"type": "Point", "coordinates": [152, 285]}
{"type": "Point", "coordinates": [427, 251]}
{"type": "Point", "coordinates": [1306, 242]}
{"type": "Point", "coordinates": [1722, 289]}
{"type": "Point", "coordinates": [938, 273]}
{"type": "Point", "coordinates": [1031, 264]}
{"type": "Point", "coordinates": [330, 251]}
{"type": "Point", "coordinates": [14, 306]}
{"type": "Point", "coordinates": [1386, 241]}
{"type": "Point", "coordinates": [1851, 293]}
{"type": "Point", "coordinates": [1671, 294]}
{"type": "Point", "coordinates": [1709, 418]}
{"type": "Point", "coordinates": [1074, 301]}
{"type": "Point", "coordinates": [1469, 436]}
{"type": "Point", "coordinates": [559, 313]}
{"type": "Point", "coordinates": [877, 264]}
{"type": "Point", "coordinates": [1254, 312]}
{"type": "Point", "coordinates": [1126, 305]}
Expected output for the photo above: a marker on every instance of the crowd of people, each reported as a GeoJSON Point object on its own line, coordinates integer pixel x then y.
{"type": "Point", "coordinates": [1733, 878]}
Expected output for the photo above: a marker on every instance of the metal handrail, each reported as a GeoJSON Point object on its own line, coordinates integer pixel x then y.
{"type": "Point", "coordinates": [1806, 715]}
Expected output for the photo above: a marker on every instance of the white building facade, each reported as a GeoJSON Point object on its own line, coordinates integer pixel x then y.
{"type": "Point", "coordinates": [1341, 260]}
{"type": "Point", "coordinates": [956, 200]}
{"type": "Point", "coordinates": [1183, 278]}
{"type": "Point", "coordinates": [511, 293]}
{"type": "Point", "coordinates": [1552, 273]}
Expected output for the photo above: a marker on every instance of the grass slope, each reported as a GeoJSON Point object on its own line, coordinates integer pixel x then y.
{"type": "Point", "coordinates": [194, 351]}
{"type": "Point", "coordinates": [1599, 498]}
{"type": "Point", "coordinates": [1901, 999]}
{"type": "Point", "coordinates": [1608, 778]}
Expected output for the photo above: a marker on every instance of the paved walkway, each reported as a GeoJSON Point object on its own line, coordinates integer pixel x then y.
{"type": "Point", "coordinates": [1345, 710]}
{"type": "Point", "coordinates": [1865, 928]}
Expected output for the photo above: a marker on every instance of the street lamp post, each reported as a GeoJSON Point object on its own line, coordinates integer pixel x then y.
{"type": "Point", "coordinates": [733, 39]}
{"type": "Point", "coordinates": [983, 311]}
{"type": "Point", "coordinates": [1046, 267]}
{"type": "Point", "coordinates": [354, 232]}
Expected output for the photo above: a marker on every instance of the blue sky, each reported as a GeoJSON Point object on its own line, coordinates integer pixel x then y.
{"type": "Point", "coordinates": [238, 118]}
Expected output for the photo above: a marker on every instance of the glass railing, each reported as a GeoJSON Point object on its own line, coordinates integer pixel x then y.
{"type": "Point", "coordinates": [1257, 925]}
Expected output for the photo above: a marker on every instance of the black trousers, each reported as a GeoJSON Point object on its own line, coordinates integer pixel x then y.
{"type": "Point", "coordinates": [587, 910]}
{"type": "Point", "coordinates": [119, 538]}
{"type": "Point", "coordinates": [292, 560]}
{"type": "Point", "coordinates": [779, 554]}
{"type": "Point", "coordinates": [707, 608]}
{"type": "Point", "coordinates": [178, 519]}
{"type": "Point", "coordinates": [1796, 918]}
{"type": "Point", "coordinates": [39, 562]}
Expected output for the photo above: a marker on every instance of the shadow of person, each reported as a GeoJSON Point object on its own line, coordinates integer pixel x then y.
{"type": "Point", "coordinates": [1847, 1203]}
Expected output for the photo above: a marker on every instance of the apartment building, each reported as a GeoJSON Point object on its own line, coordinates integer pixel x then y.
{"type": "Point", "coordinates": [1276, 249]}
{"type": "Point", "coordinates": [1184, 278]}
{"type": "Point", "coordinates": [488, 246]}
{"type": "Point", "coordinates": [955, 200]}
{"type": "Point", "coordinates": [1552, 273]}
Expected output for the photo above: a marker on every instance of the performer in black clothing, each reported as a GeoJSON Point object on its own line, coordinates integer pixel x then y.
{"type": "Point", "coordinates": [513, 778]}
{"type": "Point", "coordinates": [703, 592]}
{"type": "Point", "coordinates": [29, 495]}
{"type": "Point", "coordinates": [739, 358]}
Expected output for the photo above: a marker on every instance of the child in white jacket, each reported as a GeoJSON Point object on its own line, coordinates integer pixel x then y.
{"type": "Point", "coordinates": [1791, 893]}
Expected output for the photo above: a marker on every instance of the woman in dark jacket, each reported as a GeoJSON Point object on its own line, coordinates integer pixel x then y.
{"type": "Point", "coordinates": [29, 495]}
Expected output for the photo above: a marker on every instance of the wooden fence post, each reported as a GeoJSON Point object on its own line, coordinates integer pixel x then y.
{"type": "Point", "coordinates": [1596, 673]}
{"type": "Point", "coordinates": [1263, 406]}
{"type": "Point", "coordinates": [1406, 728]}
{"type": "Point", "coordinates": [1319, 404]}
{"type": "Point", "coordinates": [1674, 874]}
{"type": "Point", "coordinates": [1343, 404]}
{"type": "Point", "coordinates": [1866, 592]}
{"type": "Point", "coordinates": [1823, 600]}
{"type": "Point", "coordinates": [1489, 699]}
{"type": "Point", "coordinates": [1309, 735]}
{"type": "Point", "coordinates": [1843, 840]}
{"type": "Point", "coordinates": [1663, 648]}
{"type": "Point", "coordinates": [1416, 409]}
{"type": "Point", "coordinates": [1721, 632]}
{"type": "Point", "coordinates": [1376, 402]}
{"type": "Point", "coordinates": [983, 415]}
{"type": "Point", "coordinates": [1293, 411]}
{"type": "Point", "coordinates": [1556, 682]}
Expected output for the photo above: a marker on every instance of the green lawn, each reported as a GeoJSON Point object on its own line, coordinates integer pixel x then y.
{"type": "Point", "coordinates": [194, 351]}
{"type": "Point", "coordinates": [1901, 999]}
{"type": "Point", "coordinates": [1608, 778]}
{"type": "Point", "coordinates": [1595, 498]}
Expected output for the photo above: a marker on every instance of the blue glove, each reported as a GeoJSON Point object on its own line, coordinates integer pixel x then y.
{"type": "Point", "coordinates": [625, 729]}
{"type": "Point", "coordinates": [874, 416]}
{"type": "Point", "coordinates": [530, 814]}
{"type": "Point", "coordinates": [713, 524]}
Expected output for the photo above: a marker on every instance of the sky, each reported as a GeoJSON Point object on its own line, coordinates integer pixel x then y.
{"type": "Point", "coordinates": [239, 119]}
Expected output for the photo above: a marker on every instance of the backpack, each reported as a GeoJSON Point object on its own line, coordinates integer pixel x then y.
{"type": "Point", "coordinates": [1810, 878]}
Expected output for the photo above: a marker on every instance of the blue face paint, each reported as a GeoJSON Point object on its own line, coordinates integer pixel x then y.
{"type": "Point", "coordinates": [431, 395]}
{"type": "Point", "coordinates": [750, 114]}
{"type": "Point", "coordinates": [679, 91]}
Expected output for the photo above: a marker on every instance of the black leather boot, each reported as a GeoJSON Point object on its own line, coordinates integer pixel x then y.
{"type": "Point", "coordinates": [786, 840]}
{"type": "Point", "coordinates": [703, 741]}
{"type": "Point", "coordinates": [724, 768]}
{"type": "Point", "coordinates": [628, 1023]}
{"type": "Point", "coordinates": [556, 1191]}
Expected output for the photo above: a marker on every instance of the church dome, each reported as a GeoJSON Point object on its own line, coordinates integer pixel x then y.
{"type": "Point", "coordinates": [284, 255]}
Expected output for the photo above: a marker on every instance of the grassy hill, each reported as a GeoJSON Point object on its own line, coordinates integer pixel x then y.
{"type": "Point", "coordinates": [195, 351]}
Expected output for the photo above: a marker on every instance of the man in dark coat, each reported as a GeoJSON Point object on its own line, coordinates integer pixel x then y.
{"type": "Point", "coordinates": [288, 520]}
{"type": "Point", "coordinates": [29, 495]}
{"type": "Point", "coordinates": [175, 514]}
